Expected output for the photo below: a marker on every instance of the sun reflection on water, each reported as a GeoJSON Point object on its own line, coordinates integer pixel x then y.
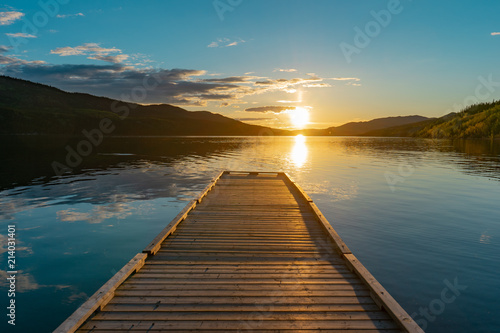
{"type": "Point", "coordinates": [299, 152]}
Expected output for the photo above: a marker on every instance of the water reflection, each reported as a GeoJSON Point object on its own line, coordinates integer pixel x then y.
{"type": "Point", "coordinates": [97, 214]}
{"type": "Point", "coordinates": [124, 170]}
{"type": "Point", "coordinates": [86, 223]}
{"type": "Point", "coordinates": [299, 151]}
{"type": "Point", "coordinates": [485, 239]}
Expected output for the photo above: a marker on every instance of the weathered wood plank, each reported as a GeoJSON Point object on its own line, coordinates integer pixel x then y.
{"type": "Point", "coordinates": [239, 293]}
{"type": "Point", "coordinates": [241, 240]}
{"type": "Point", "coordinates": [131, 325]}
{"type": "Point", "coordinates": [243, 287]}
{"type": "Point", "coordinates": [303, 262]}
{"type": "Point", "coordinates": [255, 281]}
{"type": "Point", "coordinates": [249, 315]}
{"type": "Point", "coordinates": [152, 330]}
{"type": "Point", "coordinates": [262, 300]}
{"type": "Point", "coordinates": [124, 307]}
{"type": "Point", "coordinates": [242, 258]}
{"type": "Point", "coordinates": [248, 276]}
{"type": "Point", "coordinates": [245, 270]}
{"type": "Point", "coordinates": [255, 254]}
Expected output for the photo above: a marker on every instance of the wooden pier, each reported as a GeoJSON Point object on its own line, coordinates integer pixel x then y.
{"type": "Point", "coordinates": [251, 253]}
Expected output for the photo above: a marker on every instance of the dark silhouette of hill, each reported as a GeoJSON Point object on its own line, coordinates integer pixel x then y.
{"type": "Point", "coordinates": [32, 108]}
{"type": "Point", "coordinates": [361, 127]}
{"type": "Point", "coordinates": [476, 121]}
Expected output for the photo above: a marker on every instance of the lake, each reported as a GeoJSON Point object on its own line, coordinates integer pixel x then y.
{"type": "Point", "coordinates": [422, 215]}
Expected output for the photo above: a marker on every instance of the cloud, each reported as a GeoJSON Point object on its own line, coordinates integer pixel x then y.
{"type": "Point", "coordinates": [13, 61]}
{"type": "Point", "coordinates": [495, 33]}
{"type": "Point", "coordinates": [20, 35]}
{"type": "Point", "coordinates": [7, 18]}
{"type": "Point", "coordinates": [215, 97]}
{"type": "Point", "coordinates": [273, 109]}
{"type": "Point", "coordinates": [231, 79]}
{"type": "Point", "coordinates": [116, 210]}
{"type": "Point", "coordinates": [118, 80]}
{"type": "Point", "coordinates": [316, 85]}
{"type": "Point", "coordinates": [92, 51]}
{"type": "Point", "coordinates": [88, 48]}
{"type": "Point", "coordinates": [345, 79]}
{"type": "Point", "coordinates": [24, 281]}
{"type": "Point", "coordinates": [70, 15]}
{"type": "Point", "coordinates": [234, 43]}
{"type": "Point", "coordinates": [289, 85]}
{"type": "Point", "coordinates": [225, 42]}
{"type": "Point", "coordinates": [351, 80]}
{"type": "Point", "coordinates": [265, 82]}
{"type": "Point", "coordinates": [110, 58]}
{"type": "Point", "coordinates": [175, 86]}
{"type": "Point", "coordinates": [290, 70]}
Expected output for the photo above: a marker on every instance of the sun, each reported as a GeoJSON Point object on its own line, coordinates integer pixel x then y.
{"type": "Point", "coordinates": [299, 117]}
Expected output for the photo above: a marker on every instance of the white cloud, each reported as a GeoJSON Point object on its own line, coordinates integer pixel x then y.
{"type": "Point", "coordinates": [7, 18]}
{"type": "Point", "coordinates": [99, 214]}
{"type": "Point", "coordinates": [345, 79]}
{"type": "Point", "coordinates": [289, 85]}
{"type": "Point", "coordinates": [14, 60]}
{"type": "Point", "coordinates": [111, 58]}
{"type": "Point", "coordinates": [176, 86]}
{"type": "Point", "coordinates": [316, 85]}
{"type": "Point", "coordinates": [287, 70]}
{"type": "Point", "coordinates": [225, 42]}
{"type": "Point", "coordinates": [20, 35]}
{"type": "Point", "coordinates": [93, 51]}
{"type": "Point", "coordinates": [92, 48]}
{"type": "Point", "coordinates": [70, 15]}
{"type": "Point", "coordinates": [495, 33]}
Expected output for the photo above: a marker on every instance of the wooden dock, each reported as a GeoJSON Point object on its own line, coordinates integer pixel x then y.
{"type": "Point", "coordinates": [251, 253]}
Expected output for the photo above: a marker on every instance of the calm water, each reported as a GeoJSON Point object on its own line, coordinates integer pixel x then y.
{"type": "Point", "coordinates": [420, 214]}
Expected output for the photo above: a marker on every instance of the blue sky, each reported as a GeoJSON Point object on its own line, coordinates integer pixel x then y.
{"type": "Point", "coordinates": [264, 60]}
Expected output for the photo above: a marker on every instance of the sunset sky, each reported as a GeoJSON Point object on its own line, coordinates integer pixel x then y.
{"type": "Point", "coordinates": [258, 60]}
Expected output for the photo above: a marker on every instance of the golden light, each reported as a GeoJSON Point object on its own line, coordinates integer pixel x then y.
{"type": "Point", "coordinates": [299, 117]}
{"type": "Point", "coordinates": [299, 138]}
{"type": "Point", "coordinates": [299, 151]}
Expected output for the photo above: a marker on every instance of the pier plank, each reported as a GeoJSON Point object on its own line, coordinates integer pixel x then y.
{"type": "Point", "coordinates": [251, 252]}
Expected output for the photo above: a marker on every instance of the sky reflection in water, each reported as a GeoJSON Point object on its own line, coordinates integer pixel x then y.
{"type": "Point", "coordinates": [416, 212]}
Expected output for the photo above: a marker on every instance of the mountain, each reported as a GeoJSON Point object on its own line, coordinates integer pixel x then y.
{"type": "Point", "coordinates": [362, 127]}
{"type": "Point", "coordinates": [32, 108]}
{"type": "Point", "coordinates": [476, 121]}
